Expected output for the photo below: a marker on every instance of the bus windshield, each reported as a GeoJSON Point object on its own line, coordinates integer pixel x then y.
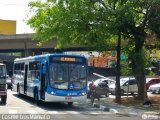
{"type": "Point", "coordinates": [2, 71]}
{"type": "Point", "coordinates": [64, 75]}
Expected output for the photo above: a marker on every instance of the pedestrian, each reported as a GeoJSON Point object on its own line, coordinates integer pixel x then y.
{"type": "Point", "coordinates": [92, 88]}
{"type": "Point", "coordinates": [92, 85]}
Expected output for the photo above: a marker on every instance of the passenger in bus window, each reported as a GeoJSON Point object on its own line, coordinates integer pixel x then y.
{"type": "Point", "coordinates": [37, 74]}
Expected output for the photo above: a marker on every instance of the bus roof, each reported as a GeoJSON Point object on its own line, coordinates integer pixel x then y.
{"type": "Point", "coordinates": [22, 59]}
{"type": "Point", "coordinates": [46, 55]}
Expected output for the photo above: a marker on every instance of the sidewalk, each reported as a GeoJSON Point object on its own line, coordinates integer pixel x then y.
{"type": "Point", "coordinates": [109, 105]}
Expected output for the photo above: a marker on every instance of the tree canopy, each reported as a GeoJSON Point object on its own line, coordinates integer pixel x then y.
{"type": "Point", "coordinates": [92, 22]}
{"type": "Point", "coordinates": [96, 23]}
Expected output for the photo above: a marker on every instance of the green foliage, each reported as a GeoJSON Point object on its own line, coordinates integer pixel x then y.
{"type": "Point", "coordinates": [151, 73]}
{"type": "Point", "coordinates": [96, 23]}
{"type": "Point", "coordinates": [17, 54]}
{"type": "Point", "coordinates": [71, 22]}
{"type": "Point", "coordinates": [90, 21]}
{"type": "Point", "coordinates": [143, 57]}
{"type": "Point", "coordinates": [125, 69]}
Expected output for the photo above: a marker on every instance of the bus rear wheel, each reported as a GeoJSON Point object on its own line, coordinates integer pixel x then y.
{"type": "Point", "coordinates": [3, 99]}
{"type": "Point", "coordinates": [36, 100]}
{"type": "Point", "coordinates": [107, 94]}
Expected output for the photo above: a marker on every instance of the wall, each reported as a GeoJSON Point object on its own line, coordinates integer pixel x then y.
{"type": "Point", "coordinates": [7, 27]}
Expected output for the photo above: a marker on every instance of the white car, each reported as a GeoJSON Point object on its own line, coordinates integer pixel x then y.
{"type": "Point", "coordinates": [155, 88]}
{"type": "Point", "coordinates": [127, 85]}
{"type": "Point", "coordinates": [108, 81]}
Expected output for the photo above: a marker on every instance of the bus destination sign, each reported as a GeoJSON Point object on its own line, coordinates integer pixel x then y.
{"type": "Point", "coordinates": [69, 59]}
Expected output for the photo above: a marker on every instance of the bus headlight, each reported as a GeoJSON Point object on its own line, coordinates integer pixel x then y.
{"type": "Point", "coordinates": [84, 93]}
{"type": "Point", "coordinates": [52, 93]}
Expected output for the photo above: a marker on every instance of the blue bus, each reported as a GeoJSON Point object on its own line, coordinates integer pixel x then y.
{"type": "Point", "coordinates": [51, 78]}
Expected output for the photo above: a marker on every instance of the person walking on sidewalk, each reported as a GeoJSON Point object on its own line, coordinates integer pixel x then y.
{"type": "Point", "coordinates": [93, 92]}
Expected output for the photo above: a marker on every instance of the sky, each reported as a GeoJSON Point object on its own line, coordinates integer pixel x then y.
{"type": "Point", "coordinates": [16, 10]}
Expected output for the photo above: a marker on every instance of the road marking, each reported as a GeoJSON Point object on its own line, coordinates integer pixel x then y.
{"type": "Point", "coordinates": [98, 113]}
{"type": "Point", "coordinates": [57, 112]}
{"type": "Point", "coordinates": [81, 116]}
{"type": "Point", "coordinates": [59, 116]}
{"type": "Point", "coordinates": [78, 114]}
{"type": "Point", "coordinates": [72, 112]}
{"type": "Point", "coordinates": [8, 107]}
{"type": "Point", "coordinates": [32, 112]}
{"type": "Point", "coordinates": [12, 111]}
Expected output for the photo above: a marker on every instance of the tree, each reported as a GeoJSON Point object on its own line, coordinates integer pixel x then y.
{"type": "Point", "coordinates": [96, 23]}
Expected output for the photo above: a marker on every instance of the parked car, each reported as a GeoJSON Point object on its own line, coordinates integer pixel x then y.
{"type": "Point", "coordinates": [9, 81]}
{"type": "Point", "coordinates": [151, 81]}
{"type": "Point", "coordinates": [101, 89]}
{"type": "Point", "coordinates": [127, 85]}
{"type": "Point", "coordinates": [155, 88]}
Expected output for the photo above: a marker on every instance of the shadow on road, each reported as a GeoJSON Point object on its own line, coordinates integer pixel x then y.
{"type": "Point", "coordinates": [51, 105]}
{"type": "Point", "coordinates": [2, 104]}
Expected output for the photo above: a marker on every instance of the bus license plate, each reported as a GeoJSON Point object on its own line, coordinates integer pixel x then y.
{"type": "Point", "coordinates": [68, 98]}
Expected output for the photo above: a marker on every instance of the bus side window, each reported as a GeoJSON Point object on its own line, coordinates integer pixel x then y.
{"type": "Point", "coordinates": [2, 71]}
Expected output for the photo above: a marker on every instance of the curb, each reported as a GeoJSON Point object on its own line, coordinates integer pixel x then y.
{"type": "Point", "coordinates": [104, 108]}
{"type": "Point", "coordinates": [113, 110]}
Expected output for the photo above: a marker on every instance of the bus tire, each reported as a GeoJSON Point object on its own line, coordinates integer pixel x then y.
{"type": "Point", "coordinates": [3, 99]}
{"type": "Point", "coordinates": [36, 100]}
{"type": "Point", "coordinates": [107, 94]}
{"type": "Point", "coordinates": [70, 103]}
{"type": "Point", "coordinates": [18, 91]}
{"type": "Point", "coordinates": [122, 92]}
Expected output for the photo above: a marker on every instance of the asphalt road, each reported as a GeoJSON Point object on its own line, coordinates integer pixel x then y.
{"type": "Point", "coordinates": [24, 108]}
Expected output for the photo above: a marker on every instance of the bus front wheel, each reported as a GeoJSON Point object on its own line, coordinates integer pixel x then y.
{"type": "Point", "coordinates": [3, 99]}
{"type": "Point", "coordinates": [36, 100]}
{"type": "Point", "coordinates": [18, 91]}
{"type": "Point", "coordinates": [70, 103]}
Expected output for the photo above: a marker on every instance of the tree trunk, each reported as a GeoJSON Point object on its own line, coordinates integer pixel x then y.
{"type": "Point", "coordinates": [138, 72]}
{"type": "Point", "coordinates": [118, 89]}
{"type": "Point", "coordinates": [141, 82]}
{"type": "Point", "coordinates": [138, 63]}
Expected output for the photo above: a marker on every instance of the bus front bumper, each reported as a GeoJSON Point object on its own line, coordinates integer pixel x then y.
{"type": "Point", "coordinates": [53, 98]}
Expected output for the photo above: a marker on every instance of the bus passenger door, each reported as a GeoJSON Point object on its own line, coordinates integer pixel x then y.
{"type": "Point", "coordinates": [25, 79]}
{"type": "Point", "coordinates": [44, 80]}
